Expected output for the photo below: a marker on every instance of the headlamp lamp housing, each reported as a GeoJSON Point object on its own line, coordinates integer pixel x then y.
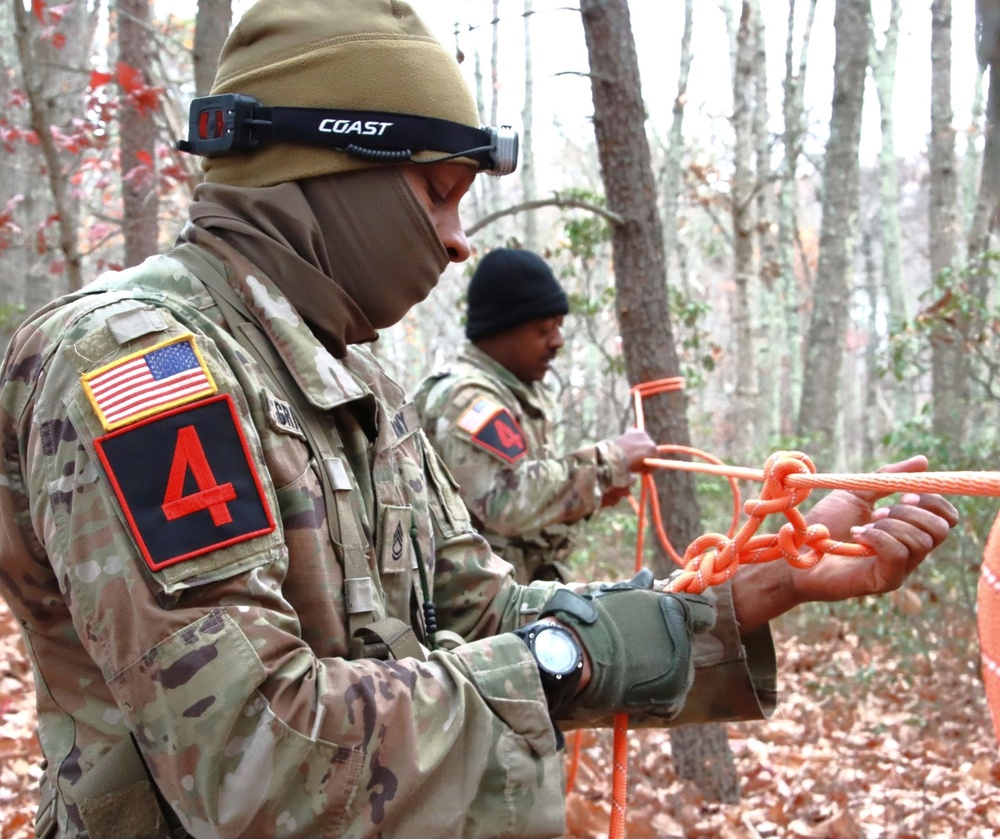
{"type": "Point", "coordinates": [231, 123]}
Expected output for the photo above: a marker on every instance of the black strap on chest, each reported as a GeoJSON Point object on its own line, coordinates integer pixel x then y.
{"type": "Point", "coordinates": [393, 635]}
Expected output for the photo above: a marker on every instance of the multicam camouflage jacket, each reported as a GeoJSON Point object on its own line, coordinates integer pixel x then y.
{"type": "Point", "coordinates": [173, 542]}
{"type": "Point", "coordinates": [494, 432]}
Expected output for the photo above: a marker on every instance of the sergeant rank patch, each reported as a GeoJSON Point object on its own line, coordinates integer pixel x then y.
{"type": "Point", "coordinates": [494, 429]}
{"type": "Point", "coordinates": [148, 382]}
{"type": "Point", "coordinates": [186, 482]}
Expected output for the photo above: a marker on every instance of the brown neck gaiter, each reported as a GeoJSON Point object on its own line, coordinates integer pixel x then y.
{"type": "Point", "coordinates": [353, 252]}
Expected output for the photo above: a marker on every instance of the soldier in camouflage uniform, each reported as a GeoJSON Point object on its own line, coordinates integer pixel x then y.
{"type": "Point", "coordinates": [489, 417]}
{"type": "Point", "coordinates": [254, 603]}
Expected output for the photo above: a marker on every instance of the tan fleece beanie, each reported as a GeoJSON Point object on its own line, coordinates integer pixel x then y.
{"type": "Point", "coordinates": [365, 55]}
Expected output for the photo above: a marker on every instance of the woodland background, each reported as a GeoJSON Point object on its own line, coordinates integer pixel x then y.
{"type": "Point", "coordinates": [791, 203]}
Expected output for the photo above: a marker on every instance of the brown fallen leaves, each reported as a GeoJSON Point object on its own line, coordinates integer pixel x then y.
{"type": "Point", "coordinates": [881, 731]}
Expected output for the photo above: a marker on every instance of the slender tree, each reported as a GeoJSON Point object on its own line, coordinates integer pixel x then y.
{"type": "Point", "coordinates": [529, 186]}
{"type": "Point", "coordinates": [137, 134]}
{"type": "Point", "coordinates": [786, 331]}
{"type": "Point", "coordinates": [988, 52]}
{"type": "Point", "coordinates": [820, 407]}
{"type": "Point", "coordinates": [211, 26]}
{"type": "Point", "coordinates": [883, 64]}
{"type": "Point", "coordinates": [45, 87]}
{"type": "Point", "coordinates": [947, 362]}
{"type": "Point", "coordinates": [671, 181]}
{"type": "Point", "coordinates": [702, 752]}
{"type": "Point", "coordinates": [742, 411]}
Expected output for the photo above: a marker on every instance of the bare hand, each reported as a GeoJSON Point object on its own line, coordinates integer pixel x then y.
{"type": "Point", "coordinates": [902, 535]}
{"type": "Point", "coordinates": [637, 445]}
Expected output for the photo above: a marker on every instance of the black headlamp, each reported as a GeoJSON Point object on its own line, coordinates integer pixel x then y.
{"type": "Point", "coordinates": [232, 122]}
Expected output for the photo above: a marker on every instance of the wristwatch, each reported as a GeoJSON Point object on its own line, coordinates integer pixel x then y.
{"type": "Point", "coordinates": [559, 658]}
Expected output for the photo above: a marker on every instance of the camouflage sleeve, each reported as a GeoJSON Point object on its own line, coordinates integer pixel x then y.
{"type": "Point", "coordinates": [244, 728]}
{"type": "Point", "coordinates": [523, 495]}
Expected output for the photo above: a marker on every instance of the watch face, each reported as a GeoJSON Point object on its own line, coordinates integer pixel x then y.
{"type": "Point", "coordinates": [556, 651]}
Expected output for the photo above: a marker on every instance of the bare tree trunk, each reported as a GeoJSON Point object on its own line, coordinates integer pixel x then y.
{"type": "Point", "coordinates": [971, 164]}
{"type": "Point", "coordinates": [884, 71]}
{"type": "Point", "coordinates": [988, 51]}
{"type": "Point", "coordinates": [787, 332]}
{"type": "Point", "coordinates": [820, 408]}
{"type": "Point", "coordinates": [492, 187]}
{"type": "Point", "coordinates": [869, 418]}
{"type": "Point", "coordinates": [767, 227]}
{"type": "Point", "coordinates": [211, 26]}
{"type": "Point", "coordinates": [671, 182]}
{"type": "Point", "coordinates": [528, 183]}
{"type": "Point", "coordinates": [642, 303]}
{"type": "Point", "coordinates": [475, 195]}
{"type": "Point", "coordinates": [770, 353]}
{"type": "Point", "coordinates": [742, 413]}
{"type": "Point", "coordinates": [35, 55]}
{"type": "Point", "coordinates": [137, 139]}
{"type": "Point", "coordinates": [947, 365]}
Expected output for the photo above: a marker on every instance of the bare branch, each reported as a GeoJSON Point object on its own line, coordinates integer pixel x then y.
{"type": "Point", "coordinates": [566, 203]}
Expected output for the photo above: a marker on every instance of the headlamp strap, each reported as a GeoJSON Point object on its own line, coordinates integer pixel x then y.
{"type": "Point", "coordinates": [235, 123]}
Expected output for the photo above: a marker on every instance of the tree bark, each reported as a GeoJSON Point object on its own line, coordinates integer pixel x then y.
{"type": "Point", "coordinates": [883, 63]}
{"type": "Point", "coordinates": [137, 139]}
{"type": "Point", "coordinates": [529, 185]}
{"type": "Point", "coordinates": [787, 329]}
{"type": "Point", "coordinates": [742, 412]}
{"type": "Point", "coordinates": [43, 95]}
{"type": "Point", "coordinates": [820, 407]}
{"type": "Point", "coordinates": [672, 182]}
{"type": "Point", "coordinates": [211, 26]}
{"type": "Point", "coordinates": [642, 303]}
{"type": "Point", "coordinates": [988, 51]}
{"type": "Point", "coordinates": [884, 71]}
{"type": "Point", "coordinates": [948, 379]}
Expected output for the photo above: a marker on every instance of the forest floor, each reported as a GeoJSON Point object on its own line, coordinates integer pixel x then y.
{"type": "Point", "coordinates": [881, 731]}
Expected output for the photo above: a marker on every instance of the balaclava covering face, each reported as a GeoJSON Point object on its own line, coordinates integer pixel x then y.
{"type": "Point", "coordinates": [325, 242]}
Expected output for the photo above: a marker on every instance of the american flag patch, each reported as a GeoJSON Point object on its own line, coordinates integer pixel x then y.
{"type": "Point", "coordinates": [145, 383]}
{"type": "Point", "coordinates": [477, 415]}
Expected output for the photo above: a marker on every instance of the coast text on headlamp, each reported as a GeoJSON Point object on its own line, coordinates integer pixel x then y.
{"type": "Point", "coordinates": [232, 123]}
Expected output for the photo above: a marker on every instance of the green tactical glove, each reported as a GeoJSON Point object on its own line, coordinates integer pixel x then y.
{"type": "Point", "coordinates": [639, 644]}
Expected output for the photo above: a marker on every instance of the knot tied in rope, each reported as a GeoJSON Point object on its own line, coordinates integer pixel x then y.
{"type": "Point", "coordinates": [712, 559]}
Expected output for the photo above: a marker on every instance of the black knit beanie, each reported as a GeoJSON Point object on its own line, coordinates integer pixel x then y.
{"type": "Point", "coordinates": [511, 287]}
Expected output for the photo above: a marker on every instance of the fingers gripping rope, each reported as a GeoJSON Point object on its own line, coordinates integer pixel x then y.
{"type": "Point", "coordinates": [713, 559]}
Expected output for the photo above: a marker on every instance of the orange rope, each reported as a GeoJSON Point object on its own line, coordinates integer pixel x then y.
{"type": "Point", "coordinates": [788, 478]}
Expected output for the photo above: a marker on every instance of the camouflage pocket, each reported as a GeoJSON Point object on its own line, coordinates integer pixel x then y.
{"type": "Point", "coordinates": [445, 503]}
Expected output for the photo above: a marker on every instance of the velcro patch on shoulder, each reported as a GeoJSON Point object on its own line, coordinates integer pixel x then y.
{"type": "Point", "coordinates": [186, 482]}
{"type": "Point", "coordinates": [148, 382]}
{"type": "Point", "coordinates": [494, 429]}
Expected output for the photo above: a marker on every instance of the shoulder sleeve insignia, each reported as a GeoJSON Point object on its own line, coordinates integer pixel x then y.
{"type": "Point", "coordinates": [186, 482]}
{"type": "Point", "coordinates": [494, 429]}
{"type": "Point", "coordinates": [165, 376]}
